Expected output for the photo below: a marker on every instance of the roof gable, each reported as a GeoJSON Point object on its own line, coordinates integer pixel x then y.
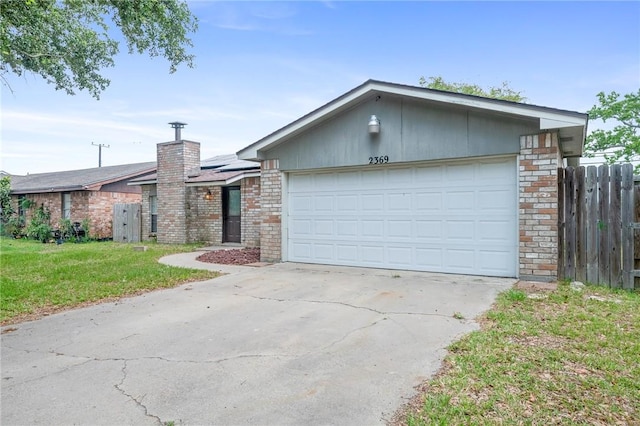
{"type": "Point", "coordinates": [572, 125]}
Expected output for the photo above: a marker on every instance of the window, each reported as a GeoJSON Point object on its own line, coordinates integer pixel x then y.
{"type": "Point", "coordinates": [66, 205]}
{"type": "Point", "coordinates": [21, 202]}
{"type": "Point", "coordinates": [153, 210]}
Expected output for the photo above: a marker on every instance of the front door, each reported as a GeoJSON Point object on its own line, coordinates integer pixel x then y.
{"type": "Point", "coordinates": [231, 214]}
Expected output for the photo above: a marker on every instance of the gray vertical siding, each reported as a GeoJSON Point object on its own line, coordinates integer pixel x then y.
{"type": "Point", "coordinates": [411, 130]}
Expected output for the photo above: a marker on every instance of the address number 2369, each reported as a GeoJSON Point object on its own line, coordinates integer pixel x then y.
{"type": "Point", "coordinates": [379, 160]}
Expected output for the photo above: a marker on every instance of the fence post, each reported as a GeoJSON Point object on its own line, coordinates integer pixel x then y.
{"type": "Point", "coordinates": [581, 243]}
{"type": "Point", "coordinates": [615, 231]}
{"type": "Point", "coordinates": [570, 223]}
{"type": "Point", "coordinates": [591, 213]}
{"type": "Point", "coordinates": [561, 225]}
{"type": "Point", "coordinates": [627, 226]}
{"type": "Point", "coordinates": [603, 225]}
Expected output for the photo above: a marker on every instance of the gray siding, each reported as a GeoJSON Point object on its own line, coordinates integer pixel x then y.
{"type": "Point", "coordinates": [411, 130]}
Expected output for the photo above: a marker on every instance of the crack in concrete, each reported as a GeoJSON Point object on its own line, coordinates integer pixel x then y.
{"type": "Point", "coordinates": [349, 333]}
{"type": "Point", "coordinates": [140, 358]}
{"type": "Point", "coordinates": [349, 305]}
{"type": "Point", "coordinates": [134, 399]}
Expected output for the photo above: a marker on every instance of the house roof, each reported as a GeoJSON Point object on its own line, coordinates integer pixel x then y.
{"type": "Point", "coordinates": [218, 170]}
{"type": "Point", "coordinates": [572, 125]}
{"type": "Point", "coordinates": [78, 180]}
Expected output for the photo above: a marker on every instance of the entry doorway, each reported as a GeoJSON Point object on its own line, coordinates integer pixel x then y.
{"type": "Point", "coordinates": [231, 214]}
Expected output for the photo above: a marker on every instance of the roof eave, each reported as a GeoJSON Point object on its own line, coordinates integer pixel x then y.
{"type": "Point", "coordinates": [226, 181]}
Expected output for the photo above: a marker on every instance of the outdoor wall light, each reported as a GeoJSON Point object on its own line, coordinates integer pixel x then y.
{"type": "Point", "coordinates": [208, 196]}
{"type": "Point", "coordinates": [374, 125]}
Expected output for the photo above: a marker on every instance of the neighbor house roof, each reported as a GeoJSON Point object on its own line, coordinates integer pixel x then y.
{"type": "Point", "coordinates": [78, 180]}
{"type": "Point", "coordinates": [572, 125]}
{"type": "Point", "coordinates": [218, 170]}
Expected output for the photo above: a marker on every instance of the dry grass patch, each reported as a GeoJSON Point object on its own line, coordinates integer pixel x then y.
{"type": "Point", "coordinates": [567, 358]}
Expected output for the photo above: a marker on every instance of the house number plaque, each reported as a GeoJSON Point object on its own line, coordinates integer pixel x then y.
{"type": "Point", "coordinates": [379, 160]}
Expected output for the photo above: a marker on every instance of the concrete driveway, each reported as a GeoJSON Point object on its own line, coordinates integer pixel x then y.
{"type": "Point", "coordinates": [282, 344]}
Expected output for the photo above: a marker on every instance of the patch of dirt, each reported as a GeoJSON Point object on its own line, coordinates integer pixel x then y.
{"type": "Point", "coordinates": [536, 286]}
{"type": "Point", "coordinates": [231, 256]}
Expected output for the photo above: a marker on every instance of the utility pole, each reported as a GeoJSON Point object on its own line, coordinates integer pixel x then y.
{"type": "Point", "coordinates": [100, 146]}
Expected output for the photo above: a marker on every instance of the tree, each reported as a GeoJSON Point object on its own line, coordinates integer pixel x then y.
{"type": "Point", "coordinates": [622, 142]}
{"type": "Point", "coordinates": [503, 92]}
{"type": "Point", "coordinates": [68, 42]}
{"type": "Point", "coordinates": [6, 210]}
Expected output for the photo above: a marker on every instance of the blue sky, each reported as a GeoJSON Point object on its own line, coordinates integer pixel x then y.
{"type": "Point", "coordinates": [261, 65]}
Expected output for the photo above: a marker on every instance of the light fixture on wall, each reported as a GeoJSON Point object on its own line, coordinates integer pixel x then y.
{"type": "Point", "coordinates": [208, 196]}
{"type": "Point", "coordinates": [374, 125]}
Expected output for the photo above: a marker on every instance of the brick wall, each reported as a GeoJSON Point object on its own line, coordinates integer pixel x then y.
{"type": "Point", "coordinates": [175, 160]}
{"type": "Point", "coordinates": [204, 217]}
{"type": "Point", "coordinates": [251, 215]}
{"type": "Point", "coordinates": [97, 206]}
{"type": "Point", "coordinates": [539, 160]}
{"type": "Point", "coordinates": [271, 211]}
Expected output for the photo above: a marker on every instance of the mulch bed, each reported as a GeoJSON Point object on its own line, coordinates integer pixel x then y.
{"type": "Point", "coordinates": [231, 256]}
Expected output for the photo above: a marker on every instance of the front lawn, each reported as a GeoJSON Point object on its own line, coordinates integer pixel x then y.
{"type": "Point", "coordinates": [562, 357]}
{"type": "Point", "coordinates": [42, 278]}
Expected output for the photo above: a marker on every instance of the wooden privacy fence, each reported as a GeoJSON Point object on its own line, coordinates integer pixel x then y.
{"type": "Point", "coordinates": [126, 223]}
{"type": "Point", "coordinates": [597, 220]}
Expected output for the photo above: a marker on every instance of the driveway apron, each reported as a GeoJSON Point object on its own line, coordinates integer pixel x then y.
{"type": "Point", "coordinates": [281, 344]}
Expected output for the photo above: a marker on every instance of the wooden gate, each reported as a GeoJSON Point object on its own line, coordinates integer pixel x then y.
{"type": "Point", "coordinates": [596, 225]}
{"type": "Point", "coordinates": [127, 223]}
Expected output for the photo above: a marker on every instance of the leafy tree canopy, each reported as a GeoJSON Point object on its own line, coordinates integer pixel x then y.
{"type": "Point", "coordinates": [622, 142]}
{"type": "Point", "coordinates": [67, 42]}
{"type": "Point", "coordinates": [5, 199]}
{"type": "Point", "coordinates": [503, 92]}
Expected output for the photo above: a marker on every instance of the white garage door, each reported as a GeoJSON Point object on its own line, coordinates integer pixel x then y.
{"type": "Point", "coordinates": [450, 217]}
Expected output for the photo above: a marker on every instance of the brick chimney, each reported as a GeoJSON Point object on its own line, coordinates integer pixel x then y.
{"type": "Point", "coordinates": [175, 160]}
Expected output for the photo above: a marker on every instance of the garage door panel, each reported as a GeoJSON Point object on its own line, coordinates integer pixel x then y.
{"type": "Point", "coordinates": [323, 227]}
{"type": "Point", "coordinates": [495, 230]}
{"type": "Point", "coordinates": [460, 230]}
{"type": "Point", "coordinates": [323, 252]}
{"type": "Point", "coordinates": [372, 203]}
{"type": "Point", "coordinates": [323, 203]}
{"type": "Point", "coordinates": [459, 218]}
{"type": "Point", "coordinates": [429, 230]}
{"type": "Point", "coordinates": [399, 255]}
{"type": "Point", "coordinates": [372, 228]}
{"type": "Point", "coordinates": [301, 228]}
{"type": "Point", "coordinates": [494, 262]}
{"type": "Point", "coordinates": [347, 203]}
{"type": "Point", "coordinates": [399, 229]}
{"type": "Point", "coordinates": [495, 199]}
{"type": "Point", "coordinates": [429, 259]}
{"type": "Point", "coordinates": [347, 228]}
{"type": "Point", "coordinates": [347, 252]}
{"type": "Point", "coordinates": [460, 200]}
{"type": "Point", "coordinates": [372, 254]}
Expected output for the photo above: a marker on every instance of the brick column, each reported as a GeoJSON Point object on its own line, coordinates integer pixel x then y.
{"type": "Point", "coordinates": [175, 160]}
{"type": "Point", "coordinates": [271, 210]}
{"type": "Point", "coordinates": [250, 208]}
{"type": "Point", "coordinates": [539, 161]}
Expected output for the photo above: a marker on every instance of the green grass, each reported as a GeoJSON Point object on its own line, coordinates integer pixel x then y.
{"type": "Point", "coordinates": [565, 358]}
{"type": "Point", "coordinates": [38, 278]}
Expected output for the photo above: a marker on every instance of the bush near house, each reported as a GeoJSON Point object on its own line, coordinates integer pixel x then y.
{"type": "Point", "coordinates": [38, 279]}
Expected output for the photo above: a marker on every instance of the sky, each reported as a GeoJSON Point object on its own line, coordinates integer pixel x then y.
{"type": "Point", "coordinates": [261, 65]}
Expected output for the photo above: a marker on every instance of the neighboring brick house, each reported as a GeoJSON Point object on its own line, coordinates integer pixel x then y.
{"type": "Point", "coordinates": [81, 194]}
{"type": "Point", "coordinates": [403, 177]}
{"type": "Point", "coordinates": [214, 202]}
